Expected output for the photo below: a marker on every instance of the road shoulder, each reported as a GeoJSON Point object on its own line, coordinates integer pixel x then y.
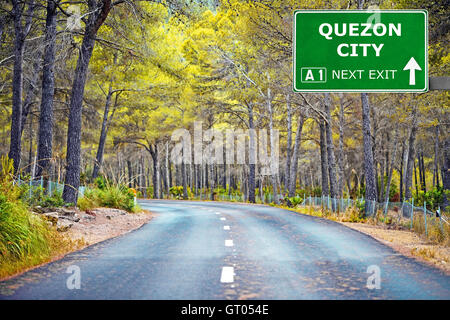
{"type": "Point", "coordinates": [407, 243]}
{"type": "Point", "coordinates": [95, 226]}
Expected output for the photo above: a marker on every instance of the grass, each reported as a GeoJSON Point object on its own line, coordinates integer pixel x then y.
{"type": "Point", "coordinates": [26, 240]}
{"type": "Point", "coordinates": [437, 232]}
{"type": "Point", "coordinates": [110, 196]}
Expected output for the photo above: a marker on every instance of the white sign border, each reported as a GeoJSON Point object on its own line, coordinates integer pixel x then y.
{"type": "Point", "coordinates": [423, 11]}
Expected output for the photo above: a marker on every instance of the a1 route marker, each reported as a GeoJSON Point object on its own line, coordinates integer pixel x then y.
{"type": "Point", "coordinates": [360, 51]}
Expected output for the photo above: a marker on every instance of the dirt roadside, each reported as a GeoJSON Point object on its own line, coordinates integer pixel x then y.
{"type": "Point", "coordinates": [407, 243]}
{"type": "Point", "coordinates": [104, 223]}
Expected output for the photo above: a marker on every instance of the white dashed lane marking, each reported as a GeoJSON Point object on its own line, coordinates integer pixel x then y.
{"type": "Point", "coordinates": [226, 227]}
{"type": "Point", "coordinates": [223, 219]}
{"type": "Point", "coordinates": [229, 243]}
{"type": "Point", "coordinates": [227, 275]}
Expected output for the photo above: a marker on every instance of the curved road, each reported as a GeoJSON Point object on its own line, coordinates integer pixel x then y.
{"type": "Point", "coordinates": [212, 250]}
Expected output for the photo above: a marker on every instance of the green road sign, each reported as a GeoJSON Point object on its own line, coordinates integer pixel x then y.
{"type": "Point", "coordinates": [360, 51]}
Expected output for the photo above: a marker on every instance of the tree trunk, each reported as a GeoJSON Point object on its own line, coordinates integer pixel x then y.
{"type": "Point", "coordinates": [20, 33]}
{"type": "Point", "coordinates": [99, 11]}
{"type": "Point", "coordinates": [167, 169]}
{"type": "Point", "coordinates": [369, 170]}
{"type": "Point", "coordinates": [289, 144]}
{"type": "Point", "coordinates": [296, 152]}
{"type": "Point", "coordinates": [272, 148]}
{"type": "Point", "coordinates": [381, 193]}
{"type": "Point", "coordinates": [48, 91]}
{"type": "Point", "coordinates": [154, 154]}
{"type": "Point", "coordinates": [341, 150]}
{"type": "Point", "coordinates": [401, 171]}
{"type": "Point", "coordinates": [211, 181]}
{"type": "Point", "coordinates": [436, 156]}
{"type": "Point", "coordinates": [183, 178]}
{"type": "Point", "coordinates": [391, 167]}
{"type": "Point", "coordinates": [411, 155]}
{"type": "Point", "coordinates": [31, 93]}
{"type": "Point", "coordinates": [130, 174]}
{"type": "Point", "coordinates": [323, 159]}
{"type": "Point", "coordinates": [103, 133]}
{"type": "Point", "coordinates": [252, 156]}
{"type": "Point", "coordinates": [423, 182]}
{"type": "Point", "coordinates": [330, 148]}
{"type": "Point", "coordinates": [415, 178]}
{"type": "Point", "coordinates": [446, 174]}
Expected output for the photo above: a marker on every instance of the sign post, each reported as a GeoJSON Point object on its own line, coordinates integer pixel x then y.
{"type": "Point", "coordinates": [360, 51]}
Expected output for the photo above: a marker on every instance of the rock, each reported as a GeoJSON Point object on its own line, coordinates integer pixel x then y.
{"type": "Point", "coordinates": [73, 218]}
{"type": "Point", "coordinates": [68, 214]}
{"type": "Point", "coordinates": [87, 217]}
{"type": "Point", "coordinates": [108, 217]}
{"type": "Point", "coordinates": [63, 225]}
{"type": "Point", "coordinates": [39, 209]}
{"type": "Point", "coordinates": [66, 211]}
{"type": "Point", "coordinates": [42, 210]}
{"type": "Point", "coordinates": [91, 213]}
{"type": "Point", "coordinates": [51, 217]}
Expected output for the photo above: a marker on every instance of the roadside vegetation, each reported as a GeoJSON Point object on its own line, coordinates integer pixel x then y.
{"type": "Point", "coordinates": [104, 194]}
{"type": "Point", "coordinates": [26, 239]}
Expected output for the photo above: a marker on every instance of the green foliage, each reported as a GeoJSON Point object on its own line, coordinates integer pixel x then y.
{"type": "Point", "coordinates": [100, 182]}
{"type": "Point", "coordinates": [306, 192]}
{"type": "Point", "coordinates": [433, 197]}
{"type": "Point", "coordinates": [37, 196]}
{"type": "Point", "coordinates": [354, 214]}
{"type": "Point", "coordinates": [176, 191]}
{"type": "Point", "coordinates": [293, 201]}
{"type": "Point", "coordinates": [111, 196]}
{"type": "Point", "coordinates": [25, 238]}
{"type": "Point", "coordinates": [360, 205]}
{"type": "Point", "coordinates": [221, 191]}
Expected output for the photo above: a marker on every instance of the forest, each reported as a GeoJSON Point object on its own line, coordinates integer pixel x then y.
{"type": "Point", "coordinates": [103, 91]}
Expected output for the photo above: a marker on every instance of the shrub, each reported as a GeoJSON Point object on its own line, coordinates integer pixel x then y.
{"type": "Point", "coordinates": [25, 238]}
{"type": "Point", "coordinates": [100, 182]}
{"type": "Point", "coordinates": [176, 191]}
{"type": "Point", "coordinates": [432, 197]}
{"type": "Point", "coordinates": [37, 196]}
{"type": "Point", "coordinates": [111, 196]}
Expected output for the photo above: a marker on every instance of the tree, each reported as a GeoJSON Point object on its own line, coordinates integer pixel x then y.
{"type": "Point", "coordinates": [98, 12]}
{"type": "Point", "coordinates": [20, 31]}
{"type": "Point", "coordinates": [48, 89]}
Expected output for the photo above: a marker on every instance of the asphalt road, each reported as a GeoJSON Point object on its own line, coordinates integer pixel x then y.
{"type": "Point", "coordinates": [213, 250]}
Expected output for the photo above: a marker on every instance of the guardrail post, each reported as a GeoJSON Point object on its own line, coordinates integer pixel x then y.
{"type": "Point", "coordinates": [440, 219]}
{"type": "Point", "coordinates": [386, 208]}
{"type": "Point", "coordinates": [425, 216]}
{"type": "Point", "coordinates": [412, 212]}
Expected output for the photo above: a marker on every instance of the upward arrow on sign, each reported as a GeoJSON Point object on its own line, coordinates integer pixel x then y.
{"type": "Point", "coordinates": [412, 66]}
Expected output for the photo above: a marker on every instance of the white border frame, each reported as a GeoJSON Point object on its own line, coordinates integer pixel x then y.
{"type": "Point", "coordinates": [315, 68]}
{"type": "Point", "coordinates": [423, 11]}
